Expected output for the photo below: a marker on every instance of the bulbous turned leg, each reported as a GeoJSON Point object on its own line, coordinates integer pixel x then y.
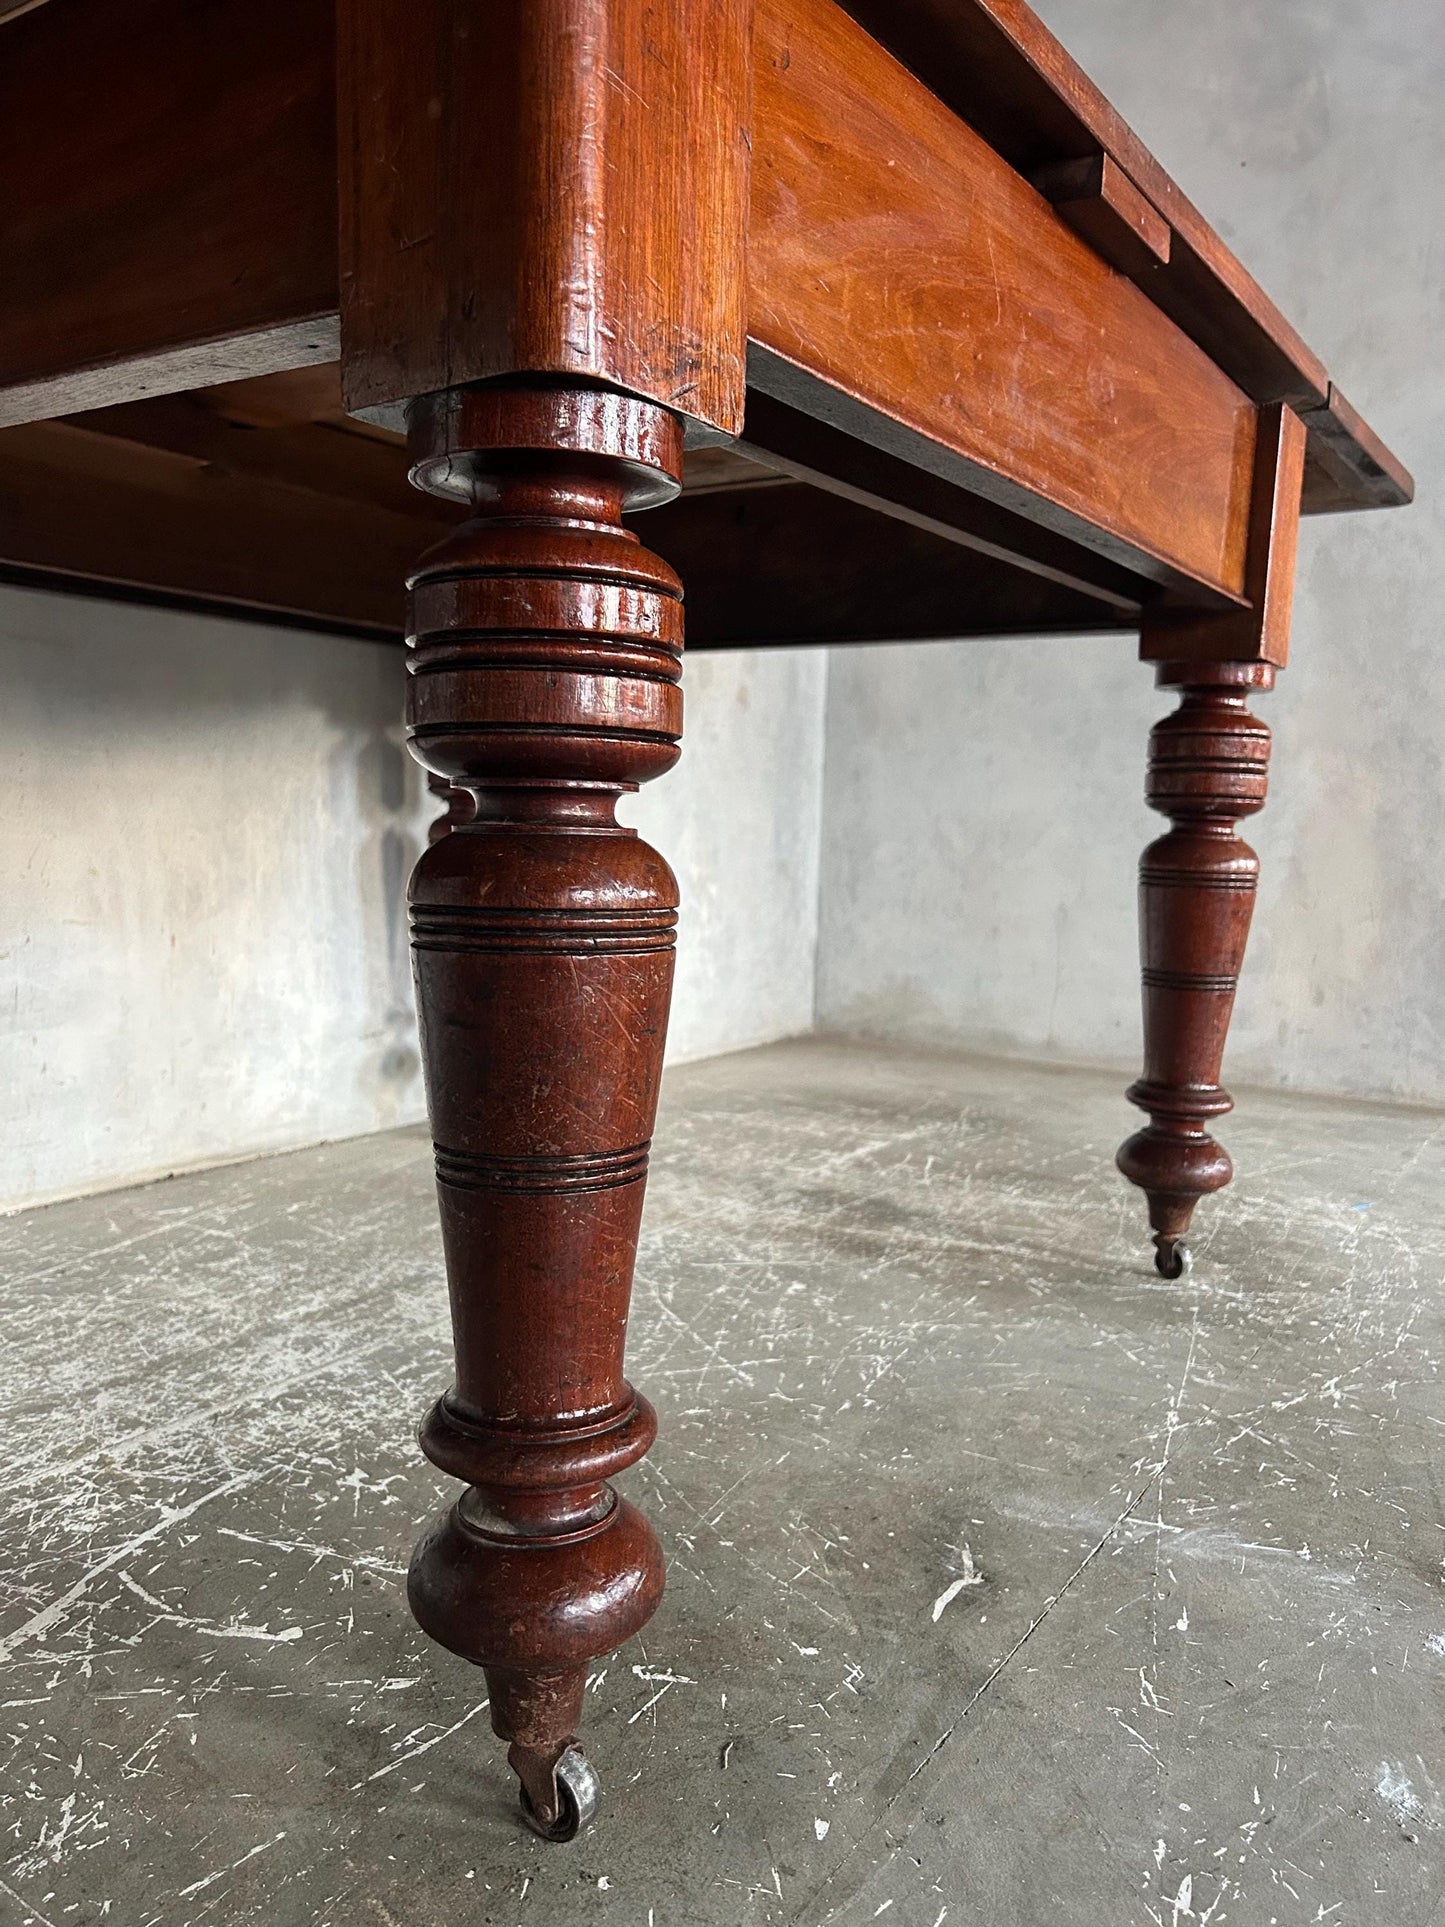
{"type": "Point", "coordinates": [545, 666]}
{"type": "Point", "coordinates": [1208, 767]}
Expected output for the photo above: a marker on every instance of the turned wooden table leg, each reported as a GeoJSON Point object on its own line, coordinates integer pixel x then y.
{"type": "Point", "coordinates": [1208, 767]}
{"type": "Point", "coordinates": [545, 671]}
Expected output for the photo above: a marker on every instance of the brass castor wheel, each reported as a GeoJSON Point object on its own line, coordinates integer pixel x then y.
{"type": "Point", "coordinates": [578, 1791]}
{"type": "Point", "coordinates": [1172, 1258]}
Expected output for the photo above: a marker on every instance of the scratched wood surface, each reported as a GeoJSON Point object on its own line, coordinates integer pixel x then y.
{"type": "Point", "coordinates": [550, 188]}
{"type": "Point", "coordinates": [1002, 1575]}
{"type": "Point", "coordinates": [895, 256]}
{"type": "Point", "coordinates": [998, 65]}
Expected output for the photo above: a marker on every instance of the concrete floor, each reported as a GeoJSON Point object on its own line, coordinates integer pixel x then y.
{"type": "Point", "coordinates": [1009, 1585]}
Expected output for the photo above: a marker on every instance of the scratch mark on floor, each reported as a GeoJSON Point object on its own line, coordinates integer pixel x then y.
{"type": "Point", "coordinates": [52, 1614]}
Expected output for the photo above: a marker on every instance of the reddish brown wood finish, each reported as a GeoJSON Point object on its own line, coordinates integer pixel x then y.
{"type": "Point", "coordinates": [228, 119]}
{"type": "Point", "coordinates": [546, 186]}
{"type": "Point", "coordinates": [1208, 767]}
{"type": "Point", "coordinates": [998, 66]}
{"type": "Point", "coordinates": [549, 249]}
{"type": "Point", "coordinates": [160, 521]}
{"type": "Point", "coordinates": [168, 187]}
{"type": "Point", "coordinates": [794, 564]}
{"type": "Point", "coordinates": [1099, 201]}
{"type": "Point", "coordinates": [1347, 466]}
{"type": "Point", "coordinates": [813, 451]}
{"type": "Point", "coordinates": [1260, 631]}
{"type": "Point", "coordinates": [460, 807]}
{"type": "Point", "coordinates": [264, 498]}
{"type": "Point", "coordinates": [895, 259]}
{"type": "Point", "coordinates": [545, 666]}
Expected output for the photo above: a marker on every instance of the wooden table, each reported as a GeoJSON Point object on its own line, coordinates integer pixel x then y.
{"type": "Point", "coordinates": [894, 328]}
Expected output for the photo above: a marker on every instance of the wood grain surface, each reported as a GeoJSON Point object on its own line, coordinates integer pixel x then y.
{"type": "Point", "coordinates": [1260, 632]}
{"type": "Point", "coordinates": [895, 257]}
{"type": "Point", "coordinates": [545, 186]}
{"type": "Point", "coordinates": [544, 660]}
{"type": "Point", "coordinates": [167, 198]}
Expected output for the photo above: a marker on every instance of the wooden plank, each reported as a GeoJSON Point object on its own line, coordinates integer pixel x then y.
{"type": "Point", "coordinates": [997, 65]}
{"type": "Point", "coordinates": [810, 451]}
{"type": "Point", "coordinates": [1347, 465]}
{"type": "Point", "coordinates": [896, 261]}
{"type": "Point", "coordinates": [793, 564]}
{"type": "Point", "coordinates": [326, 460]}
{"type": "Point", "coordinates": [291, 396]}
{"type": "Point", "coordinates": [166, 523]}
{"type": "Point", "coordinates": [261, 352]}
{"type": "Point", "coordinates": [1101, 204]}
{"type": "Point", "coordinates": [1261, 632]}
{"type": "Point", "coordinates": [309, 441]}
{"type": "Point", "coordinates": [545, 186]}
{"type": "Point", "coordinates": [167, 174]}
{"type": "Point", "coordinates": [725, 466]}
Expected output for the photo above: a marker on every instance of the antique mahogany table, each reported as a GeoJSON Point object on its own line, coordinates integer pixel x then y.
{"type": "Point", "coordinates": [895, 330]}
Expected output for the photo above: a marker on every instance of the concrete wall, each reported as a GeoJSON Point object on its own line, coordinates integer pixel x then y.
{"type": "Point", "coordinates": [207, 831]}
{"type": "Point", "coordinates": [739, 819]}
{"type": "Point", "coordinates": [983, 810]}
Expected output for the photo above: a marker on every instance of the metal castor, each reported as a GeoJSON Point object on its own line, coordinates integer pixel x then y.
{"type": "Point", "coordinates": [578, 1791]}
{"type": "Point", "coordinates": [1172, 1258]}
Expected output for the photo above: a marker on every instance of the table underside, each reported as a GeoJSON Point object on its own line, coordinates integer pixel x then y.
{"type": "Point", "coordinates": [263, 497]}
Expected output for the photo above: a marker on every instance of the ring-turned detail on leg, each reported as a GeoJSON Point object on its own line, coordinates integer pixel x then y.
{"type": "Point", "coordinates": [458, 807]}
{"type": "Point", "coordinates": [545, 670]}
{"type": "Point", "coordinates": [1208, 767]}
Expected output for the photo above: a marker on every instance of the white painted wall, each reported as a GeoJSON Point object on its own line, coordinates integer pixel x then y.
{"type": "Point", "coordinates": [206, 834]}
{"type": "Point", "coordinates": [983, 812]}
